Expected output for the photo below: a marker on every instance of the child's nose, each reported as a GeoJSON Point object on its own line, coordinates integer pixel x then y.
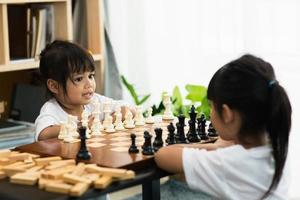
{"type": "Point", "coordinates": [88, 83]}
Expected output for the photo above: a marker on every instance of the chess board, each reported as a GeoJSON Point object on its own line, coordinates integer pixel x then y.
{"type": "Point", "coordinates": [107, 150]}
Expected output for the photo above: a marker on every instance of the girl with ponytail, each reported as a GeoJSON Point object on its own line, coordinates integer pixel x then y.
{"type": "Point", "coordinates": [252, 109]}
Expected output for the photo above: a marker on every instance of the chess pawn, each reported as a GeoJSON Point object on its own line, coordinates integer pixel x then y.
{"type": "Point", "coordinates": [171, 135]}
{"type": "Point", "coordinates": [133, 148]}
{"type": "Point", "coordinates": [96, 127]}
{"type": "Point", "coordinates": [63, 131]}
{"type": "Point", "coordinates": [139, 118]}
{"type": "Point", "coordinates": [129, 123]}
{"type": "Point", "coordinates": [158, 142]}
{"type": "Point", "coordinates": [107, 111]}
{"type": "Point", "coordinates": [149, 119]}
{"type": "Point", "coordinates": [110, 127]}
{"type": "Point", "coordinates": [69, 136]}
{"type": "Point", "coordinates": [168, 115]}
{"type": "Point", "coordinates": [118, 123]}
{"type": "Point", "coordinates": [147, 146]}
{"type": "Point", "coordinates": [83, 153]}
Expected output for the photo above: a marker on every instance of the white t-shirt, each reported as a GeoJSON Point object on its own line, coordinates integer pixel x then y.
{"type": "Point", "coordinates": [52, 113]}
{"type": "Point", "coordinates": [234, 172]}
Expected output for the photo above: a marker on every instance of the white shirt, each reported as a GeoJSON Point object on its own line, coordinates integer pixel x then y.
{"type": "Point", "coordinates": [234, 172]}
{"type": "Point", "coordinates": [52, 113]}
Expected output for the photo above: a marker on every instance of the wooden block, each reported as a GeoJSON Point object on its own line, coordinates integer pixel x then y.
{"type": "Point", "coordinates": [4, 161]}
{"type": "Point", "coordinates": [129, 175]}
{"type": "Point", "coordinates": [2, 174]}
{"type": "Point", "coordinates": [33, 155]}
{"type": "Point", "coordinates": [73, 179]}
{"type": "Point", "coordinates": [34, 169]}
{"type": "Point", "coordinates": [59, 164]}
{"type": "Point", "coordinates": [13, 168]}
{"type": "Point", "coordinates": [28, 160]}
{"type": "Point", "coordinates": [91, 176]}
{"type": "Point", "coordinates": [103, 182]}
{"type": "Point", "coordinates": [43, 182]}
{"type": "Point", "coordinates": [46, 160]}
{"type": "Point", "coordinates": [107, 171]}
{"type": "Point", "coordinates": [79, 169]}
{"type": "Point", "coordinates": [58, 173]}
{"type": "Point", "coordinates": [78, 189]}
{"type": "Point", "coordinates": [24, 178]}
{"type": "Point", "coordinates": [58, 188]}
{"type": "Point", "coordinates": [4, 153]}
{"type": "Point", "coordinates": [18, 156]}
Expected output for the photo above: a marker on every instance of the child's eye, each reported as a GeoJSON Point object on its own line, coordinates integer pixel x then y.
{"type": "Point", "coordinates": [91, 76]}
{"type": "Point", "coordinates": [77, 79]}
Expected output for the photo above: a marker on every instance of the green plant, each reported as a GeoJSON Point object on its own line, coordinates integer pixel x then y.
{"type": "Point", "coordinates": [137, 99]}
{"type": "Point", "coordinates": [196, 95]}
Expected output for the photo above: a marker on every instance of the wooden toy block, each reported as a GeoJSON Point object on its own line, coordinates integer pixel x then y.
{"type": "Point", "coordinates": [43, 182]}
{"type": "Point", "coordinates": [46, 160]}
{"type": "Point", "coordinates": [4, 161]}
{"type": "Point", "coordinates": [73, 179]}
{"type": "Point", "coordinates": [58, 173]}
{"type": "Point", "coordinates": [34, 169]}
{"type": "Point", "coordinates": [107, 171]}
{"type": "Point", "coordinates": [129, 175]}
{"type": "Point", "coordinates": [59, 164]}
{"type": "Point", "coordinates": [2, 174]}
{"type": "Point", "coordinates": [4, 153]}
{"type": "Point", "coordinates": [92, 176]}
{"type": "Point", "coordinates": [13, 168]}
{"type": "Point", "coordinates": [24, 178]}
{"type": "Point", "coordinates": [78, 189]}
{"type": "Point", "coordinates": [103, 182]}
{"type": "Point", "coordinates": [79, 169]}
{"type": "Point", "coordinates": [58, 187]}
{"type": "Point", "coordinates": [18, 156]}
{"type": "Point", "coordinates": [28, 160]}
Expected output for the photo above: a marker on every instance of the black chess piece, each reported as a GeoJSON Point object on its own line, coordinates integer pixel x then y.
{"type": "Point", "coordinates": [158, 141]}
{"type": "Point", "coordinates": [192, 134]}
{"type": "Point", "coordinates": [211, 131]}
{"type": "Point", "coordinates": [133, 148]}
{"type": "Point", "coordinates": [180, 136]}
{"type": "Point", "coordinates": [171, 135]}
{"type": "Point", "coordinates": [201, 124]}
{"type": "Point", "coordinates": [147, 146]}
{"type": "Point", "coordinates": [83, 153]}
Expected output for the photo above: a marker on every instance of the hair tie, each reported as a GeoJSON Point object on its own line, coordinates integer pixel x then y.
{"type": "Point", "coordinates": [271, 83]}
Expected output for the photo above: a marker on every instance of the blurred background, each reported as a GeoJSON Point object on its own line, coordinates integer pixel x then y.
{"type": "Point", "coordinates": [158, 45]}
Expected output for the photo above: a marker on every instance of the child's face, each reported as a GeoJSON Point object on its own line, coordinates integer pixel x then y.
{"type": "Point", "coordinates": [80, 89]}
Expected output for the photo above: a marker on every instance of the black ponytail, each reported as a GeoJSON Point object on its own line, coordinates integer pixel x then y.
{"type": "Point", "coordinates": [278, 127]}
{"type": "Point", "coordinates": [249, 86]}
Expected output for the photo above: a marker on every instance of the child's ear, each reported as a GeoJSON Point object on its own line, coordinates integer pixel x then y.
{"type": "Point", "coordinates": [227, 113]}
{"type": "Point", "coordinates": [52, 86]}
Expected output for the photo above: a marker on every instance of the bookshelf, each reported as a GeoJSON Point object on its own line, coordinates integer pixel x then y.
{"type": "Point", "coordinates": [20, 70]}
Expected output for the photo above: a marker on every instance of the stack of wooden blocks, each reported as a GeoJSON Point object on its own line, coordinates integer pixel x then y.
{"type": "Point", "coordinates": [57, 175]}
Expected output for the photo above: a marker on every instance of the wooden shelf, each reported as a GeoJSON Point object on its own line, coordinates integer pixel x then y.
{"type": "Point", "coordinates": [20, 65]}
{"type": "Point", "coordinates": [29, 1]}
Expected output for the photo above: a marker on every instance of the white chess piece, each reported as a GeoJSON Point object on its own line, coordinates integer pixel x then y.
{"type": "Point", "coordinates": [110, 127]}
{"type": "Point", "coordinates": [168, 115]}
{"type": "Point", "coordinates": [72, 126]}
{"type": "Point", "coordinates": [118, 123]}
{"type": "Point", "coordinates": [96, 127]}
{"type": "Point", "coordinates": [107, 111]}
{"type": "Point", "coordinates": [63, 131]}
{"type": "Point", "coordinates": [129, 123]}
{"type": "Point", "coordinates": [85, 123]}
{"type": "Point", "coordinates": [139, 118]}
{"type": "Point", "coordinates": [149, 119]}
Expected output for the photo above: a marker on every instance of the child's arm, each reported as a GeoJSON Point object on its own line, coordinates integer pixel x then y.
{"type": "Point", "coordinates": [169, 158]}
{"type": "Point", "coordinates": [49, 132]}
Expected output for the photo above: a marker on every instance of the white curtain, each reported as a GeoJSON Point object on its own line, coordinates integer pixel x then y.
{"type": "Point", "coordinates": [162, 43]}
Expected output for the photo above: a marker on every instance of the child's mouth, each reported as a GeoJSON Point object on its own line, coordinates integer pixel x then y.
{"type": "Point", "coordinates": [88, 95]}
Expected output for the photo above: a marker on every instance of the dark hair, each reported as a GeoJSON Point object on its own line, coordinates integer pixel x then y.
{"type": "Point", "coordinates": [249, 86]}
{"type": "Point", "coordinates": [60, 59]}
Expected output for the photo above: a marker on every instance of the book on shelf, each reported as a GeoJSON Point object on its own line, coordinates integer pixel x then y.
{"type": "Point", "coordinates": [31, 27]}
